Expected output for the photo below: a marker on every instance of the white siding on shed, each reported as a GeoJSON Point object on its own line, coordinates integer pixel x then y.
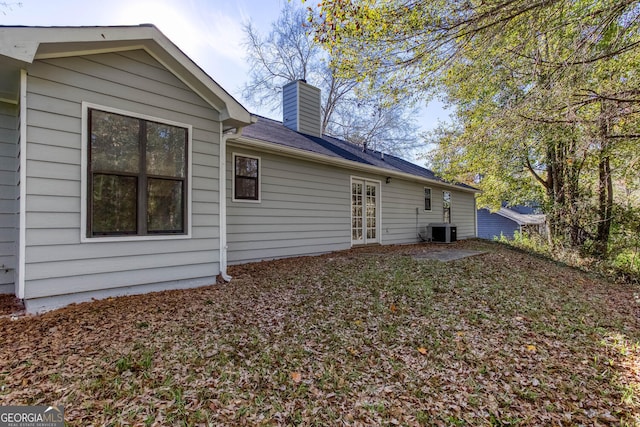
{"type": "Point", "coordinates": [57, 262]}
{"type": "Point", "coordinates": [9, 134]}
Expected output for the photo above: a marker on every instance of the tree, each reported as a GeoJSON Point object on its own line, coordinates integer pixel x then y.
{"type": "Point", "coordinates": [546, 91]}
{"type": "Point", "coordinates": [351, 110]}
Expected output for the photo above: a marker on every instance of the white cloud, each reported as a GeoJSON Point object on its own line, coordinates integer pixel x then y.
{"type": "Point", "coordinates": [224, 36]}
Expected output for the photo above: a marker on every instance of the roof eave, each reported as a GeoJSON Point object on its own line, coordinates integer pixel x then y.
{"type": "Point", "coordinates": [329, 160]}
{"type": "Point", "coordinates": [521, 219]}
{"type": "Point", "coordinates": [26, 44]}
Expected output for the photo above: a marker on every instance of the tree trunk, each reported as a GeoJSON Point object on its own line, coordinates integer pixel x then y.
{"type": "Point", "coordinates": [605, 205]}
{"type": "Point", "coordinates": [605, 188]}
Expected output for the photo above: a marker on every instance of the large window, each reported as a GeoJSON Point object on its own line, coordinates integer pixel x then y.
{"type": "Point", "coordinates": [137, 176]}
{"type": "Point", "coordinates": [246, 178]}
{"type": "Point", "coordinates": [446, 206]}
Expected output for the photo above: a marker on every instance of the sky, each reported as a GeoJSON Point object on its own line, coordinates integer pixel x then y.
{"type": "Point", "coordinates": [208, 31]}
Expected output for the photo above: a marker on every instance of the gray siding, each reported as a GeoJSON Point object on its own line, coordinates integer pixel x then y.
{"type": "Point", "coordinates": [305, 209]}
{"type": "Point", "coordinates": [57, 262]}
{"type": "Point", "coordinates": [301, 108]}
{"type": "Point", "coordinates": [9, 135]}
{"type": "Point", "coordinates": [403, 213]}
{"type": "Point", "coordinates": [463, 212]}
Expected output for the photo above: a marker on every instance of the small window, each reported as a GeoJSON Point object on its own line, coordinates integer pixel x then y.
{"type": "Point", "coordinates": [246, 172]}
{"type": "Point", "coordinates": [137, 176]}
{"type": "Point", "coordinates": [446, 206]}
{"type": "Point", "coordinates": [427, 199]}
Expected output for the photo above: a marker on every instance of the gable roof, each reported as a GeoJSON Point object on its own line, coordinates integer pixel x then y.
{"type": "Point", "coordinates": [20, 46]}
{"type": "Point", "coordinates": [271, 134]}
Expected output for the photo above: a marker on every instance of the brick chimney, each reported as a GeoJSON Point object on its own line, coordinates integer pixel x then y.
{"type": "Point", "coordinates": [301, 109]}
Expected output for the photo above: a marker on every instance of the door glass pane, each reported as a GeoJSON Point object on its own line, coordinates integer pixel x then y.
{"type": "Point", "coordinates": [446, 206]}
{"type": "Point", "coordinates": [164, 205]}
{"type": "Point", "coordinates": [114, 142]}
{"type": "Point", "coordinates": [356, 211]}
{"type": "Point", "coordinates": [166, 150]}
{"type": "Point", "coordinates": [113, 204]}
{"type": "Point", "coordinates": [371, 212]}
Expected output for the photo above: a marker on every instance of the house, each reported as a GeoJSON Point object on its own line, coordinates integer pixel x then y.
{"type": "Point", "coordinates": [127, 169]}
{"type": "Point", "coordinates": [507, 221]}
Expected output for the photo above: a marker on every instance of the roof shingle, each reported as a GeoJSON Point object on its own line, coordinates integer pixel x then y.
{"type": "Point", "coordinates": [272, 131]}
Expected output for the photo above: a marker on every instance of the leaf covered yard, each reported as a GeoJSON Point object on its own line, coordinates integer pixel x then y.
{"type": "Point", "coordinates": [374, 336]}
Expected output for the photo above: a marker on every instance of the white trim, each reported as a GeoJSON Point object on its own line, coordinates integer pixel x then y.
{"type": "Point", "coordinates": [26, 44]}
{"type": "Point", "coordinates": [94, 51]}
{"type": "Point", "coordinates": [22, 231]}
{"type": "Point", "coordinates": [83, 181]}
{"type": "Point", "coordinates": [297, 153]}
{"type": "Point", "coordinates": [379, 227]}
{"type": "Point", "coordinates": [222, 192]}
{"type": "Point", "coordinates": [430, 199]}
{"type": "Point", "coordinates": [233, 178]}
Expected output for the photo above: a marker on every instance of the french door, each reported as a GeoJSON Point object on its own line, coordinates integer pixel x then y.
{"type": "Point", "coordinates": [365, 200]}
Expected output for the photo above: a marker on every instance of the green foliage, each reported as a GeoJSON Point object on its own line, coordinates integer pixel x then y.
{"type": "Point", "coordinates": [545, 94]}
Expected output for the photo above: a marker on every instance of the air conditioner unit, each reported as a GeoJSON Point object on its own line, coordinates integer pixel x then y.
{"type": "Point", "coordinates": [442, 232]}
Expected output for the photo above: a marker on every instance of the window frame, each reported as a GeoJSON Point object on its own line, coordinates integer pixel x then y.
{"type": "Point", "coordinates": [258, 178]}
{"type": "Point", "coordinates": [447, 209]}
{"type": "Point", "coordinates": [430, 199]}
{"type": "Point", "coordinates": [86, 184]}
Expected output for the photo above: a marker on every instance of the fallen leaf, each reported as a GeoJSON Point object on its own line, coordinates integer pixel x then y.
{"type": "Point", "coordinates": [532, 348]}
{"type": "Point", "coordinates": [296, 377]}
{"type": "Point", "coordinates": [393, 308]}
{"type": "Point", "coordinates": [422, 350]}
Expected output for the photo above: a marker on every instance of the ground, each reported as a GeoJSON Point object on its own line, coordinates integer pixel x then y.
{"type": "Point", "coordinates": [375, 336]}
{"type": "Point", "coordinates": [10, 306]}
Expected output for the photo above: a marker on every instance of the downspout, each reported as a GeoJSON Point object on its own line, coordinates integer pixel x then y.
{"type": "Point", "coordinates": [22, 214]}
{"type": "Point", "coordinates": [222, 184]}
{"type": "Point", "coordinates": [223, 201]}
